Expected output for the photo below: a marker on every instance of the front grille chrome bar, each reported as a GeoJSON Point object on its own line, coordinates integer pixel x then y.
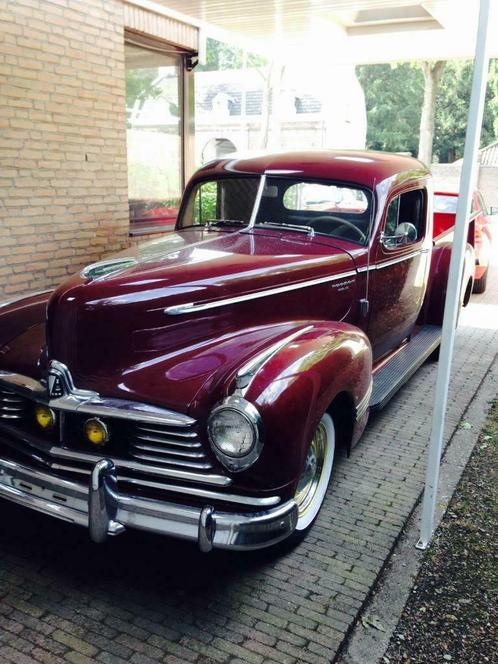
{"type": "Point", "coordinates": [83, 401]}
{"type": "Point", "coordinates": [158, 471]}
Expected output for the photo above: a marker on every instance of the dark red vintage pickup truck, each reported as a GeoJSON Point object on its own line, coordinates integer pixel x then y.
{"type": "Point", "coordinates": [200, 385]}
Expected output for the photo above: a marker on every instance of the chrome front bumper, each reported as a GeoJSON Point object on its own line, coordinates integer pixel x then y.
{"type": "Point", "coordinates": [104, 511]}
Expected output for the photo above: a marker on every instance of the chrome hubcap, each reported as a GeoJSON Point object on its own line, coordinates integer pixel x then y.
{"type": "Point", "coordinates": [310, 477]}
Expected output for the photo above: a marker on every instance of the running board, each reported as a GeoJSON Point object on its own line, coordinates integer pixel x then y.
{"type": "Point", "coordinates": [401, 367]}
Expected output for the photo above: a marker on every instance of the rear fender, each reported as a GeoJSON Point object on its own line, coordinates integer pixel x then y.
{"type": "Point", "coordinates": [433, 310]}
{"type": "Point", "coordinates": [328, 366]}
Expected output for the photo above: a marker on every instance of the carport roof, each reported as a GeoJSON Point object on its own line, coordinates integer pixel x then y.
{"type": "Point", "coordinates": [351, 31]}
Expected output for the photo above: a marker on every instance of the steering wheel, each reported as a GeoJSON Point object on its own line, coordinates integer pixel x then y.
{"type": "Point", "coordinates": [342, 222]}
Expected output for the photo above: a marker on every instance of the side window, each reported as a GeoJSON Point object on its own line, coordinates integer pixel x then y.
{"type": "Point", "coordinates": [205, 203]}
{"type": "Point", "coordinates": [405, 219]}
{"type": "Point", "coordinates": [392, 217]}
{"type": "Point", "coordinates": [220, 199]}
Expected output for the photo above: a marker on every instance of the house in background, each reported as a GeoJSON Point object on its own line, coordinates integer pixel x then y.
{"type": "Point", "coordinates": [306, 109]}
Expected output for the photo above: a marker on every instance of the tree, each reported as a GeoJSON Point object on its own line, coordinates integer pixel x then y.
{"type": "Point", "coordinates": [393, 97]}
{"type": "Point", "coordinates": [432, 73]}
{"type": "Point", "coordinates": [452, 107]}
{"type": "Point", "coordinates": [140, 86]}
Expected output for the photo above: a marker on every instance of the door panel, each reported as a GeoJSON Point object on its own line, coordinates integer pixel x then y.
{"type": "Point", "coordinates": [399, 270]}
{"type": "Point", "coordinates": [397, 286]}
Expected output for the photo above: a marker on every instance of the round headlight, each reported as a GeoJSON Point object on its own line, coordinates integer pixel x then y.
{"type": "Point", "coordinates": [235, 433]}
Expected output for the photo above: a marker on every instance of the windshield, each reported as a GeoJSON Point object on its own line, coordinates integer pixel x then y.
{"type": "Point", "coordinates": [325, 208]}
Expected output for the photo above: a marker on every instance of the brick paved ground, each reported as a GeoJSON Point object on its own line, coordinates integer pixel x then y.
{"type": "Point", "coordinates": [147, 599]}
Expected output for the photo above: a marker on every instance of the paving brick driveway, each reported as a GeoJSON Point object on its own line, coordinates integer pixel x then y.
{"type": "Point", "coordinates": [142, 598]}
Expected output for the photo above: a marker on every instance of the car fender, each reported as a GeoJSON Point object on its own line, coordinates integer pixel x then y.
{"type": "Point", "coordinates": [328, 365]}
{"type": "Point", "coordinates": [433, 310]}
{"type": "Point", "coordinates": [22, 333]}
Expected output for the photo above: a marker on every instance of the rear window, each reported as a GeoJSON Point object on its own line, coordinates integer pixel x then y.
{"type": "Point", "coordinates": [447, 204]}
{"type": "Point", "coordinates": [325, 198]}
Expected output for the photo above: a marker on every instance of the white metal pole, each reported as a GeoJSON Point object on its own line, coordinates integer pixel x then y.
{"type": "Point", "coordinates": [452, 302]}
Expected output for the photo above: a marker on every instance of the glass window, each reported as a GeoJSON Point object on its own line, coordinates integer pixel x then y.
{"type": "Point", "coordinates": [153, 116]}
{"type": "Point", "coordinates": [405, 219]}
{"type": "Point", "coordinates": [392, 217]}
{"type": "Point", "coordinates": [446, 204]}
{"type": "Point", "coordinates": [223, 200]}
{"type": "Point", "coordinates": [335, 210]}
{"type": "Point", "coordinates": [325, 198]}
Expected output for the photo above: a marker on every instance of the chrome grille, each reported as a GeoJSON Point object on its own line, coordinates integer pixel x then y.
{"type": "Point", "coordinates": [163, 445]}
{"type": "Point", "coordinates": [12, 406]}
{"type": "Point", "coordinates": [141, 445]}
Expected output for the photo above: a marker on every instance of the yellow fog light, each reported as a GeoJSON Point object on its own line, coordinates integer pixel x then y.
{"type": "Point", "coordinates": [45, 417]}
{"type": "Point", "coordinates": [96, 431]}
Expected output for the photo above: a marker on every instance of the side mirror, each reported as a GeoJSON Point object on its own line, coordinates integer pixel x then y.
{"type": "Point", "coordinates": [493, 209]}
{"type": "Point", "coordinates": [405, 233]}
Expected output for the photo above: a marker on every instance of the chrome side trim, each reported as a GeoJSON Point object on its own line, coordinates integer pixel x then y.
{"type": "Point", "coordinates": [400, 259]}
{"type": "Point", "coordinates": [24, 297]}
{"type": "Point", "coordinates": [190, 307]}
{"type": "Point", "coordinates": [247, 372]}
{"type": "Point", "coordinates": [394, 261]}
{"type": "Point", "coordinates": [157, 471]}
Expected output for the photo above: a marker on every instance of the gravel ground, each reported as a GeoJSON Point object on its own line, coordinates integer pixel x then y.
{"type": "Point", "coordinates": [452, 612]}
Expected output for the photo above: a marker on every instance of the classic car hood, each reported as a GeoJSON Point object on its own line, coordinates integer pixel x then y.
{"type": "Point", "coordinates": [112, 330]}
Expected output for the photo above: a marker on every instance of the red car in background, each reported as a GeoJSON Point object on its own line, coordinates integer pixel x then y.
{"type": "Point", "coordinates": [480, 230]}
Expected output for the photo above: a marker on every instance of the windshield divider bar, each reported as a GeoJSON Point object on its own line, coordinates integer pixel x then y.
{"type": "Point", "coordinates": [257, 202]}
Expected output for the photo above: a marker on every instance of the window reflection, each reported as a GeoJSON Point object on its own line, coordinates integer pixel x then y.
{"type": "Point", "coordinates": [153, 116]}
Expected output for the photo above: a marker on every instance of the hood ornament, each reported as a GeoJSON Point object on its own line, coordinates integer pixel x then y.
{"type": "Point", "coordinates": [60, 383]}
{"type": "Point", "coordinates": [55, 387]}
{"type": "Point", "coordinates": [59, 380]}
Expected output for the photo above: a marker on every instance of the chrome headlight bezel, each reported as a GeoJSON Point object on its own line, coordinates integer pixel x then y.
{"type": "Point", "coordinates": [252, 416]}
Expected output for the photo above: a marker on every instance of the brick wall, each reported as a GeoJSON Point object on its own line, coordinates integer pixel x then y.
{"type": "Point", "coordinates": [63, 176]}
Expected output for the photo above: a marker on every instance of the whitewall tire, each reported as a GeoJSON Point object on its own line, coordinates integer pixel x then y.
{"type": "Point", "coordinates": [314, 480]}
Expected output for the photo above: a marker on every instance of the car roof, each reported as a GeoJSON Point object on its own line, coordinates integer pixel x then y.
{"type": "Point", "coordinates": [363, 167]}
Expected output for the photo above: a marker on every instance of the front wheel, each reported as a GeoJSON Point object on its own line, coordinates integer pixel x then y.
{"type": "Point", "coordinates": [314, 480]}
